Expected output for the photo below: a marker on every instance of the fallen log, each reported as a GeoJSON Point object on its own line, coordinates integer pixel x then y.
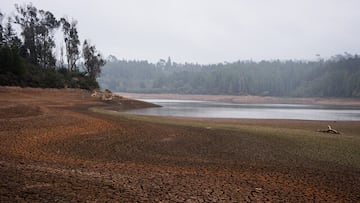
{"type": "Point", "coordinates": [329, 130]}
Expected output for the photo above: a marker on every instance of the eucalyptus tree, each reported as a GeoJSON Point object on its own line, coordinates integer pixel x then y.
{"type": "Point", "coordinates": [45, 40]}
{"type": "Point", "coordinates": [9, 36]}
{"type": "Point", "coordinates": [1, 30]}
{"type": "Point", "coordinates": [72, 42]}
{"type": "Point", "coordinates": [38, 29]}
{"type": "Point", "coordinates": [93, 60]}
{"type": "Point", "coordinates": [27, 19]}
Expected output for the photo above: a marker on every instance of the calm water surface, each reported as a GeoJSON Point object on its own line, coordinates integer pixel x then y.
{"type": "Point", "coordinates": [211, 109]}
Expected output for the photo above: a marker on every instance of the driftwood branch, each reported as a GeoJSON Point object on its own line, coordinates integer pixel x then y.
{"type": "Point", "coordinates": [329, 130]}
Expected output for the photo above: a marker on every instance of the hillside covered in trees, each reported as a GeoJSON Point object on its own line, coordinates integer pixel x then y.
{"type": "Point", "coordinates": [28, 58]}
{"type": "Point", "coordinates": [335, 77]}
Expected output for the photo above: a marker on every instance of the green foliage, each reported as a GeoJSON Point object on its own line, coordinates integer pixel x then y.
{"type": "Point", "coordinates": [10, 61]}
{"type": "Point", "coordinates": [336, 77]}
{"type": "Point", "coordinates": [32, 62]}
{"type": "Point", "coordinates": [72, 42]}
{"type": "Point", "coordinates": [1, 30]}
{"type": "Point", "coordinates": [93, 60]}
{"type": "Point", "coordinates": [38, 28]}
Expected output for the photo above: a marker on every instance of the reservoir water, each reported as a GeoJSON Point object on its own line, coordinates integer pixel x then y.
{"type": "Point", "coordinates": [211, 109]}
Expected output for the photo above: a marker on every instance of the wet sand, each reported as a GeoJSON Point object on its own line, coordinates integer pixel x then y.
{"type": "Point", "coordinates": [54, 149]}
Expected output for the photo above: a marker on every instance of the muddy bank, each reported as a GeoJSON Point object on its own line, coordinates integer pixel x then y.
{"type": "Point", "coordinates": [54, 149]}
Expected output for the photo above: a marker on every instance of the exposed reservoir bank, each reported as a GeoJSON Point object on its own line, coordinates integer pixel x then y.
{"type": "Point", "coordinates": [216, 109]}
{"type": "Point", "coordinates": [57, 141]}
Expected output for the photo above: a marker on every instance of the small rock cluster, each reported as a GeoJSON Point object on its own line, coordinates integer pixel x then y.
{"type": "Point", "coordinates": [106, 95]}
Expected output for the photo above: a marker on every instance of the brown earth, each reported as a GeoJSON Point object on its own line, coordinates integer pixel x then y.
{"type": "Point", "coordinates": [53, 149]}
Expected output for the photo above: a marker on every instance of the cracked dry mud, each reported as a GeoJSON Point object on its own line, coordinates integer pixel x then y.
{"type": "Point", "coordinates": [53, 149]}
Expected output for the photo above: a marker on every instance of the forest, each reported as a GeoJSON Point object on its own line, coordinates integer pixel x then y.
{"type": "Point", "coordinates": [29, 59]}
{"type": "Point", "coordinates": [338, 76]}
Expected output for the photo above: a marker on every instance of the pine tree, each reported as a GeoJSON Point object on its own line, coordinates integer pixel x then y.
{"type": "Point", "coordinates": [10, 37]}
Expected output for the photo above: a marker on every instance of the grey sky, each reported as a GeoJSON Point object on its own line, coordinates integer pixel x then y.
{"type": "Point", "coordinates": [211, 31]}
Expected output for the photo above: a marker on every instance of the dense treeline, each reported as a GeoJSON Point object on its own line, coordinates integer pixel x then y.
{"type": "Point", "coordinates": [28, 59]}
{"type": "Point", "coordinates": [336, 77]}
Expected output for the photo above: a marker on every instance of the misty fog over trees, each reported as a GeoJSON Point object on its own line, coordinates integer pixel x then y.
{"type": "Point", "coordinates": [28, 59]}
{"type": "Point", "coordinates": [335, 77]}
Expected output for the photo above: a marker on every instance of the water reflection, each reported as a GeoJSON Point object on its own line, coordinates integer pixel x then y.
{"type": "Point", "coordinates": [210, 109]}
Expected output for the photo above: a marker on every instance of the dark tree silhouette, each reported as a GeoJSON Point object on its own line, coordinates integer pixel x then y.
{"type": "Point", "coordinates": [31, 61]}
{"type": "Point", "coordinates": [10, 37]}
{"type": "Point", "coordinates": [38, 27]}
{"type": "Point", "coordinates": [72, 43]}
{"type": "Point", "coordinates": [1, 30]}
{"type": "Point", "coordinates": [93, 60]}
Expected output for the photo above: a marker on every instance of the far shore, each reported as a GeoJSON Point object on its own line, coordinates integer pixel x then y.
{"type": "Point", "coordinates": [247, 99]}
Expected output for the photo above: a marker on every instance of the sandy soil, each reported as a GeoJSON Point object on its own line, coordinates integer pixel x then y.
{"type": "Point", "coordinates": [249, 99]}
{"type": "Point", "coordinates": [53, 149]}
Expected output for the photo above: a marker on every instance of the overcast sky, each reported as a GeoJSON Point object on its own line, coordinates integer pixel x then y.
{"type": "Point", "coordinates": [211, 31]}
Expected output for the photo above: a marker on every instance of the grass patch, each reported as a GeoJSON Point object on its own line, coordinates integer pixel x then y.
{"type": "Point", "coordinates": [306, 144]}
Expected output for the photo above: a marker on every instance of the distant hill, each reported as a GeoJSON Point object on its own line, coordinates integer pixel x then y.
{"type": "Point", "coordinates": [336, 77]}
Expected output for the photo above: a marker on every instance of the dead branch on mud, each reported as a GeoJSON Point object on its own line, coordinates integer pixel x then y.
{"type": "Point", "coordinates": [329, 130]}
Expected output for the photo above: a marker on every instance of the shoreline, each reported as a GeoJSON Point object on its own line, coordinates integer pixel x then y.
{"type": "Point", "coordinates": [55, 147]}
{"type": "Point", "coordinates": [248, 99]}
